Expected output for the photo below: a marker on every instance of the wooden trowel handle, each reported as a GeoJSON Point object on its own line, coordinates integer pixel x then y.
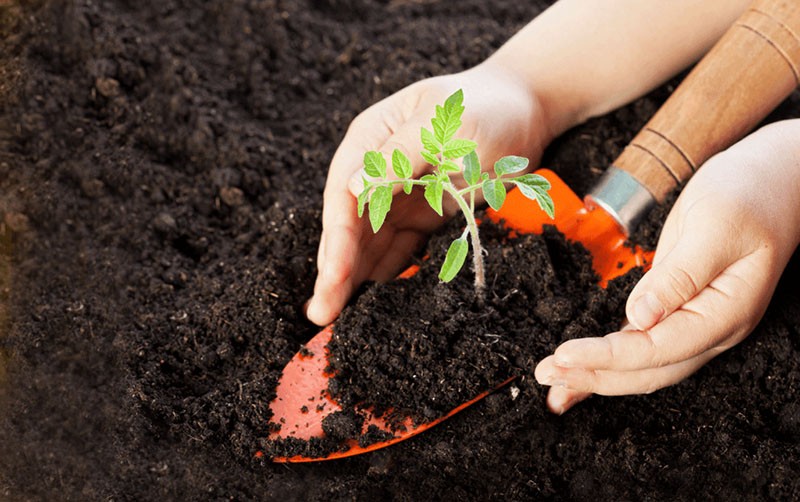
{"type": "Point", "coordinates": [754, 67]}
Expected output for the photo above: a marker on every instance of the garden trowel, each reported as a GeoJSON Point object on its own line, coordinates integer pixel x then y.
{"type": "Point", "coordinates": [754, 67]}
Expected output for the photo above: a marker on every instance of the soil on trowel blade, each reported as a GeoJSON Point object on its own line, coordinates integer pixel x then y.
{"type": "Point", "coordinates": [419, 347]}
{"type": "Point", "coordinates": [422, 347]}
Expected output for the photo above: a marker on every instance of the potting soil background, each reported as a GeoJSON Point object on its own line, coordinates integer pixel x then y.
{"type": "Point", "coordinates": [161, 172]}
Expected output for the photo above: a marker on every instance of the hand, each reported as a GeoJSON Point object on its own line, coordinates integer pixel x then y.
{"type": "Point", "coordinates": [501, 115]}
{"type": "Point", "coordinates": [720, 255]}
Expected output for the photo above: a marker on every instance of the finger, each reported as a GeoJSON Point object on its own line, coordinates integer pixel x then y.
{"type": "Point", "coordinates": [619, 383]}
{"type": "Point", "coordinates": [341, 227]}
{"type": "Point", "coordinates": [700, 254]}
{"type": "Point", "coordinates": [720, 314]}
{"type": "Point", "coordinates": [561, 399]}
{"type": "Point", "coordinates": [334, 283]}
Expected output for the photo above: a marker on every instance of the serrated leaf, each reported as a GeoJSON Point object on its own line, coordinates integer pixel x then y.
{"type": "Point", "coordinates": [362, 200]}
{"type": "Point", "coordinates": [379, 205]}
{"type": "Point", "coordinates": [375, 164]}
{"type": "Point", "coordinates": [532, 181]}
{"type": "Point", "coordinates": [407, 187]}
{"type": "Point", "coordinates": [448, 117]}
{"type": "Point", "coordinates": [454, 260]}
{"type": "Point", "coordinates": [451, 126]}
{"type": "Point", "coordinates": [495, 193]}
{"type": "Point", "coordinates": [457, 148]}
{"type": "Point", "coordinates": [510, 165]}
{"type": "Point", "coordinates": [448, 166]}
{"type": "Point", "coordinates": [429, 178]}
{"type": "Point", "coordinates": [401, 165]}
{"type": "Point", "coordinates": [433, 194]}
{"type": "Point", "coordinates": [535, 187]}
{"type": "Point", "coordinates": [453, 103]}
{"type": "Point", "coordinates": [429, 141]}
{"type": "Point", "coordinates": [438, 122]}
{"type": "Point", "coordinates": [545, 202]}
{"type": "Point", "coordinates": [430, 158]}
{"type": "Point", "coordinates": [472, 168]}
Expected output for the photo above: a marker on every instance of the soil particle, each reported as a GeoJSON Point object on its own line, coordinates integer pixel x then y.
{"type": "Point", "coordinates": [16, 222]}
{"type": "Point", "coordinates": [342, 425]}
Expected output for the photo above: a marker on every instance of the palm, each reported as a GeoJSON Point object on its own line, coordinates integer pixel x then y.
{"type": "Point", "coordinates": [501, 117]}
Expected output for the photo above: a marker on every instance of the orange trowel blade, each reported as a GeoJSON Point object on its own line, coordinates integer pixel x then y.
{"type": "Point", "coordinates": [303, 400]}
{"type": "Point", "coordinates": [595, 229]}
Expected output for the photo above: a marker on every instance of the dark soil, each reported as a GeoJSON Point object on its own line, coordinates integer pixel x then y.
{"type": "Point", "coordinates": [423, 347]}
{"type": "Point", "coordinates": [161, 171]}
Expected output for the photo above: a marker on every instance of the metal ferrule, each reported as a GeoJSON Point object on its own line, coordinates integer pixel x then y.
{"type": "Point", "coordinates": [620, 195]}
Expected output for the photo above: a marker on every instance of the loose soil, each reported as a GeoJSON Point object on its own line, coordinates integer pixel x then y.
{"type": "Point", "coordinates": [161, 172]}
{"type": "Point", "coordinates": [421, 347]}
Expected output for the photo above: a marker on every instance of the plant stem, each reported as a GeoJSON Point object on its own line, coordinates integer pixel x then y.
{"type": "Point", "coordinates": [477, 249]}
{"type": "Point", "coordinates": [474, 188]}
{"type": "Point", "coordinates": [400, 182]}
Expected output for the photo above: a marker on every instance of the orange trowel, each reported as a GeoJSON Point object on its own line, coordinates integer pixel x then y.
{"type": "Point", "coordinates": [754, 67]}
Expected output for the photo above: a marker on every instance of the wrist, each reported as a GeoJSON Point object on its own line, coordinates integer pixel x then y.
{"type": "Point", "coordinates": [552, 113]}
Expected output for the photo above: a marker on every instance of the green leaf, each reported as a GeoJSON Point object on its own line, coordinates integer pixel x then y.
{"type": "Point", "coordinates": [472, 168]}
{"type": "Point", "coordinates": [495, 193]}
{"type": "Point", "coordinates": [430, 158]}
{"type": "Point", "coordinates": [448, 118]}
{"type": "Point", "coordinates": [510, 165]}
{"type": "Point", "coordinates": [457, 148]}
{"type": "Point", "coordinates": [379, 205]}
{"type": "Point", "coordinates": [429, 178]}
{"type": "Point", "coordinates": [375, 164]}
{"type": "Point", "coordinates": [433, 194]}
{"type": "Point", "coordinates": [401, 165]}
{"type": "Point", "coordinates": [362, 200]}
{"type": "Point", "coordinates": [407, 186]}
{"type": "Point", "coordinates": [454, 260]}
{"type": "Point", "coordinates": [429, 142]}
{"type": "Point", "coordinates": [535, 187]}
{"type": "Point", "coordinates": [532, 181]}
{"type": "Point", "coordinates": [545, 202]}
{"type": "Point", "coordinates": [448, 166]}
{"type": "Point", "coordinates": [454, 103]}
{"type": "Point", "coordinates": [438, 122]}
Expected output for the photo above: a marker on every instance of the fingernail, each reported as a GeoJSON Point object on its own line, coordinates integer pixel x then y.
{"type": "Point", "coordinates": [647, 311]}
{"type": "Point", "coordinates": [563, 361]}
{"type": "Point", "coordinates": [564, 407]}
{"type": "Point", "coordinates": [551, 380]}
{"type": "Point", "coordinates": [560, 406]}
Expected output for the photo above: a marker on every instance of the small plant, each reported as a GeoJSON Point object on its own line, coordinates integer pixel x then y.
{"type": "Point", "coordinates": [442, 149]}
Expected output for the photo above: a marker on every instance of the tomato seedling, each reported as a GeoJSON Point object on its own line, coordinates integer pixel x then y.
{"type": "Point", "coordinates": [441, 149]}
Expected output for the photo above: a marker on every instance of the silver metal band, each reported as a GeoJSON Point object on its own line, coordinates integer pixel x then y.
{"type": "Point", "coordinates": [621, 196]}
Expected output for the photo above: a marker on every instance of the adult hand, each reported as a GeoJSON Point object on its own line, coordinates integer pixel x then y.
{"type": "Point", "coordinates": [501, 115]}
{"type": "Point", "coordinates": [720, 255]}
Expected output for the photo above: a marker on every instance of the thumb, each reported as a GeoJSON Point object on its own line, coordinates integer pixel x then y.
{"type": "Point", "coordinates": [697, 258]}
{"type": "Point", "coordinates": [406, 139]}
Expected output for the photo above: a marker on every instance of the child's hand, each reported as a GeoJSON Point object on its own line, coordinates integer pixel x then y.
{"type": "Point", "coordinates": [502, 114]}
{"type": "Point", "coordinates": [719, 258]}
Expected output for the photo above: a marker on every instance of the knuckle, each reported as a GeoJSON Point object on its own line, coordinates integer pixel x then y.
{"type": "Point", "coordinates": [587, 383]}
{"type": "Point", "coordinates": [682, 283]}
{"type": "Point", "coordinates": [656, 357]}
